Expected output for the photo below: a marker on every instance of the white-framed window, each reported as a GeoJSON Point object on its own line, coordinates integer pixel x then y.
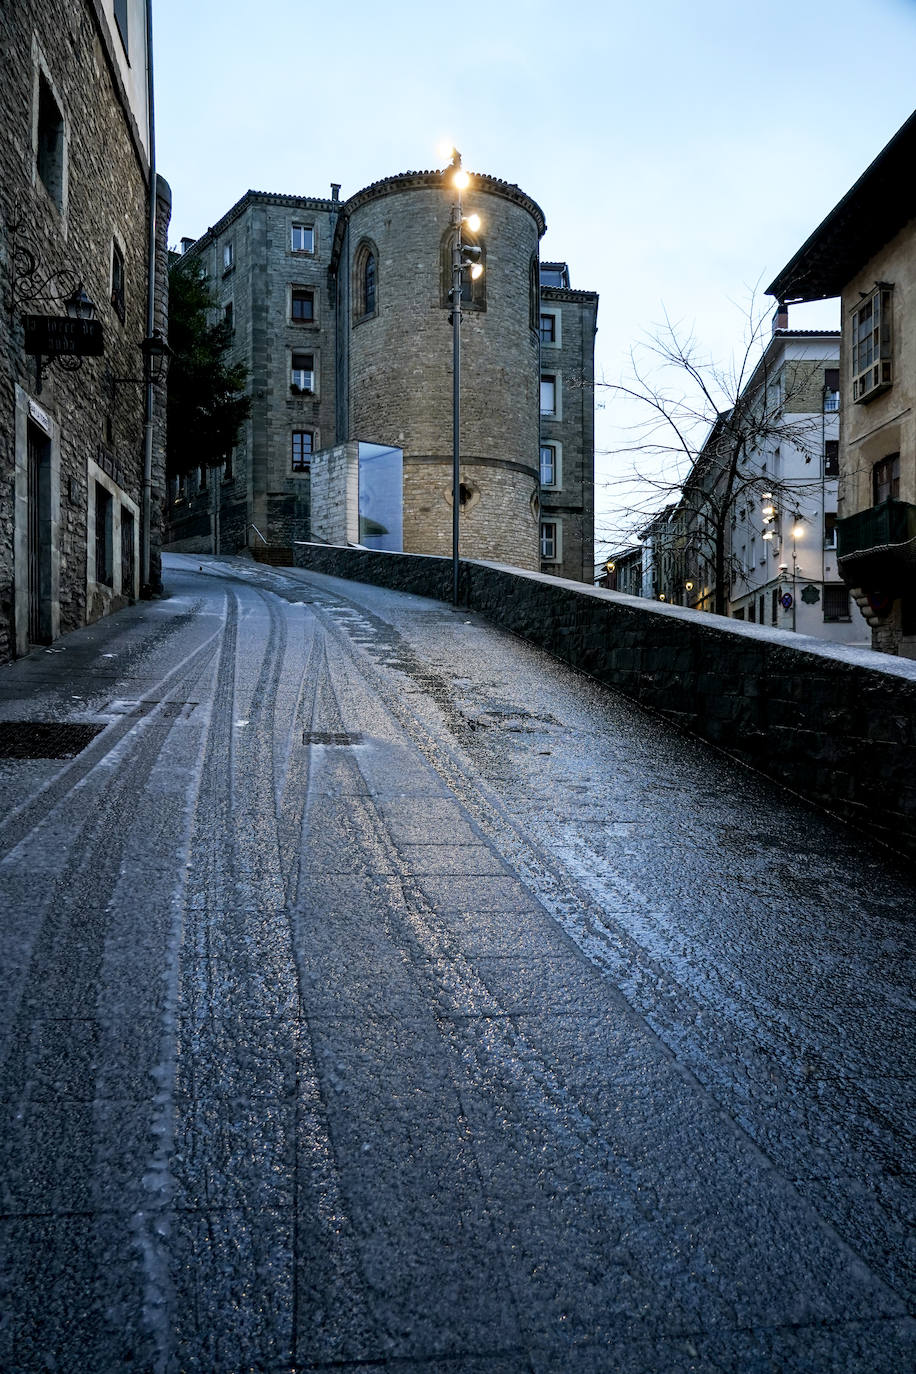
{"type": "Point", "coordinates": [550, 395]}
{"type": "Point", "coordinates": [228, 256]}
{"type": "Point", "coordinates": [302, 371]}
{"type": "Point", "coordinates": [831, 389]}
{"type": "Point", "coordinates": [302, 448]}
{"type": "Point", "coordinates": [551, 541]}
{"type": "Point", "coordinates": [872, 341]}
{"type": "Point", "coordinates": [551, 464]}
{"type": "Point", "coordinates": [303, 238]}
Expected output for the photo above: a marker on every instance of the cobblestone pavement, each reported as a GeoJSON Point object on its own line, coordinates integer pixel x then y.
{"type": "Point", "coordinates": [381, 994]}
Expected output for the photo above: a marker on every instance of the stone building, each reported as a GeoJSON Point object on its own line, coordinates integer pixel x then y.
{"type": "Point", "coordinates": [341, 310]}
{"type": "Point", "coordinates": [567, 321]}
{"type": "Point", "coordinates": [78, 448]}
{"type": "Point", "coordinates": [865, 253]}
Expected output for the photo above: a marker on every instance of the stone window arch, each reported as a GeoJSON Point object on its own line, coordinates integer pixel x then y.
{"type": "Point", "coordinates": [473, 293]}
{"type": "Point", "coordinates": [365, 281]}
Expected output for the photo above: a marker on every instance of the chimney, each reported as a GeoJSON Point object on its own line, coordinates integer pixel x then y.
{"type": "Point", "coordinates": [335, 190]}
{"type": "Point", "coordinates": [781, 318]}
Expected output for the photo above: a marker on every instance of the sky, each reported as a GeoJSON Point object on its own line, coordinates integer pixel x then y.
{"type": "Point", "coordinates": [681, 152]}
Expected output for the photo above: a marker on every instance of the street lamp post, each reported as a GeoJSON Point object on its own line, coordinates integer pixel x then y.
{"type": "Point", "coordinates": [464, 256]}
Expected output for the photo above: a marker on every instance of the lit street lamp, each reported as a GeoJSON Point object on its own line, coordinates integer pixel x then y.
{"type": "Point", "coordinates": [465, 257]}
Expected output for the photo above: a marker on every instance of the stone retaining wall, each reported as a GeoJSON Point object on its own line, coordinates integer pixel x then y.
{"type": "Point", "coordinates": [838, 725]}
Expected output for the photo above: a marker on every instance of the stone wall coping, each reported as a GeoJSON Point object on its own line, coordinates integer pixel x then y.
{"type": "Point", "coordinates": [567, 293]}
{"type": "Point", "coordinates": [717, 624]}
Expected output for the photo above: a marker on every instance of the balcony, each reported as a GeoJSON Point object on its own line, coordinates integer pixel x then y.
{"type": "Point", "coordinates": [877, 546]}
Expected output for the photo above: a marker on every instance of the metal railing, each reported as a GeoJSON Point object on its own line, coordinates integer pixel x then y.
{"type": "Point", "coordinates": [257, 532]}
{"type": "Point", "coordinates": [878, 527]}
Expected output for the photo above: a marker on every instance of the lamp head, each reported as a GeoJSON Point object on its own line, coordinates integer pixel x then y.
{"type": "Point", "coordinates": [79, 306]}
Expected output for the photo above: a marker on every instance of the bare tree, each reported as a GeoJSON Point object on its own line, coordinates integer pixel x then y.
{"type": "Point", "coordinates": [702, 440]}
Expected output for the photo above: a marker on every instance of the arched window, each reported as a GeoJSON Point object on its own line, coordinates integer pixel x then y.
{"type": "Point", "coordinates": [534, 294]}
{"type": "Point", "coordinates": [365, 281]}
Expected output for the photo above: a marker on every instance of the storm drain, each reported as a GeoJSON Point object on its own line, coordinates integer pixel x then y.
{"type": "Point", "coordinates": [34, 739]}
{"type": "Point", "coordinates": [343, 737]}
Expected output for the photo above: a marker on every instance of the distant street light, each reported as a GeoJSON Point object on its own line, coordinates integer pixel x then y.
{"type": "Point", "coordinates": [465, 257]}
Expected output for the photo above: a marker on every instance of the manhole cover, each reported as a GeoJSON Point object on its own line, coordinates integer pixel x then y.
{"type": "Point", "coordinates": [331, 737]}
{"type": "Point", "coordinates": [33, 739]}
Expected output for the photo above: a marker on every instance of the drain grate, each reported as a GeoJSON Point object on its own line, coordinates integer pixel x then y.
{"type": "Point", "coordinates": [34, 739]}
{"type": "Point", "coordinates": [331, 737]}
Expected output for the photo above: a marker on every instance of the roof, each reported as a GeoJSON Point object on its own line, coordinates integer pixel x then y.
{"type": "Point", "coordinates": [871, 213]}
{"type": "Point", "coordinates": [262, 198]}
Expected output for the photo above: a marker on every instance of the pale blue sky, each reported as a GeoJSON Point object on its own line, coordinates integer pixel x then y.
{"type": "Point", "coordinates": [681, 152]}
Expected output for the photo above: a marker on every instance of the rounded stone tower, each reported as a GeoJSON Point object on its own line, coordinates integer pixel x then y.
{"type": "Point", "coordinates": [392, 259]}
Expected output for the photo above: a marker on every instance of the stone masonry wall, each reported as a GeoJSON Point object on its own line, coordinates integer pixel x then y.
{"type": "Point", "coordinates": [69, 231]}
{"type": "Point", "coordinates": [572, 359]}
{"type": "Point", "coordinates": [838, 725]}
{"type": "Point", "coordinates": [400, 358]}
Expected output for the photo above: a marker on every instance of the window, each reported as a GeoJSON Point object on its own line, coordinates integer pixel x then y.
{"type": "Point", "coordinates": [836, 601]}
{"type": "Point", "coordinates": [554, 274]}
{"type": "Point", "coordinates": [369, 284]}
{"type": "Point", "coordinates": [365, 281]}
{"type": "Point", "coordinates": [228, 257]}
{"type": "Point", "coordinates": [534, 293]}
{"type": "Point", "coordinates": [774, 606]}
{"type": "Point", "coordinates": [548, 329]}
{"type": "Point", "coordinates": [228, 318]}
{"type": "Point", "coordinates": [871, 345]}
{"type": "Point", "coordinates": [303, 238]}
{"type": "Point", "coordinates": [117, 279]}
{"type": "Point", "coordinates": [302, 305]}
{"type": "Point", "coordinates": [886, 479]}
{"type": "Point", "coordinates": [50, 149]}
{"type": "Point", "coordinates": [830, 530]}
{"type": "Point", "coordinates": [302, 449]}
{"type": "Point", "coordinates": [831, 388]}
{"type": "Point", "coordinates": [550, 541]}
{"type": "Point", "coordinates": [128, 561]}
{"type": "Point", "coordinates": [302, 377]}
{"type": "Point", "coordinates": [550, 466]}
{"type": "Point", "coordinates": [548, 394]}
{"type": "Point", "coordinates": [120, 14]}
{"type": "Point", "coordinates": [832, 458]}
{"type": "Point", "coordinates": [104, 569]}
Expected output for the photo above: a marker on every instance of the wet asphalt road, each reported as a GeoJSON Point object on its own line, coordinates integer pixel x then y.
{"type": "Point", "coordinates": [380, 994]}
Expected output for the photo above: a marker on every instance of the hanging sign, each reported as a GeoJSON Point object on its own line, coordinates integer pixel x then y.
{"type": "Point", "coordinates": [786, 601]}
{"type": "Point", "coordinates": [56, 335]}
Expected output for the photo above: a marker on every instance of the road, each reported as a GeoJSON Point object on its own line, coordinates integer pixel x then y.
{"type": "Point", "coordinates": [382, 994]}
